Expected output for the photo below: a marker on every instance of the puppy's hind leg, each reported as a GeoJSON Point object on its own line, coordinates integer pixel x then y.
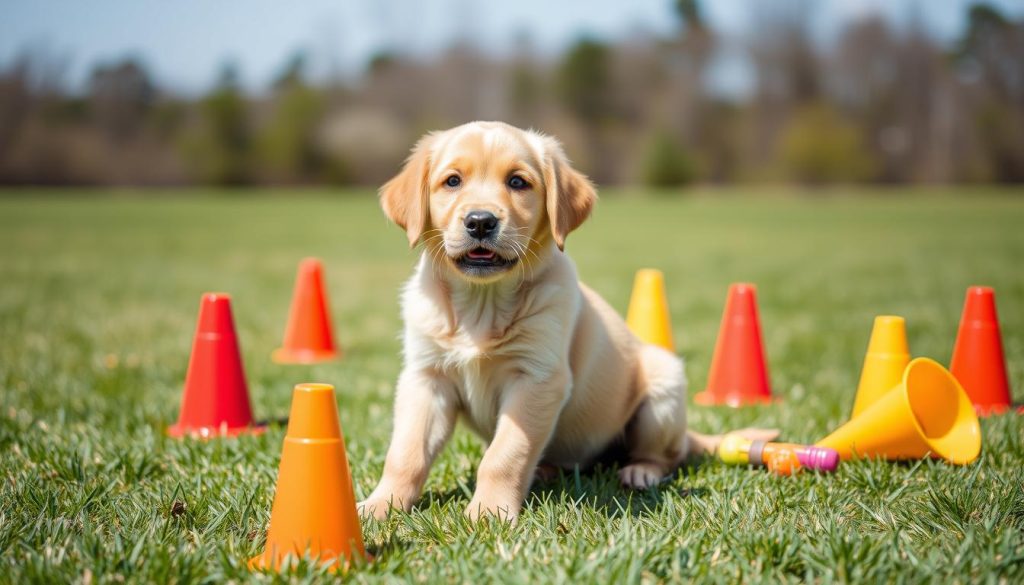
{"type": "Point", "coordinates": [656, 437]}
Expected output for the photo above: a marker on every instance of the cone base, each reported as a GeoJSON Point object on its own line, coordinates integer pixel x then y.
{"type": "Point", "coordinates": [179, 431]}
{"type": "Point", "coordinates": [283, 355]}
{"type": "Point", "coordinates": [259, 563]}
{"type": "Point", "coordinates": [986, 410]}
{"type": "Point", "coordinates": [707, 398]}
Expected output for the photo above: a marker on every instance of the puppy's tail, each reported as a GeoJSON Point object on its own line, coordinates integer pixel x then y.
{"type": "Point", "coordinates": [708, 444]}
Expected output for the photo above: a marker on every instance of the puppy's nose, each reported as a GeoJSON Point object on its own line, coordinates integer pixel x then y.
{"type": "Point", "coordinates": [480, 224]}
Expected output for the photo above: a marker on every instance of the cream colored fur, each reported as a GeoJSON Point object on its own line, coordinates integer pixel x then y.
{"type": "Point", "coordinates": [536, 363]}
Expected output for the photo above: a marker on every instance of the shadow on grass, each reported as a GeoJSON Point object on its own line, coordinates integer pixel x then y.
{"type": "Point", "coordinates": [599, 487]}
{"type": "Point", "coordinates": [596, 486]}
{"type": "Point", "coordinates": [431, 498]}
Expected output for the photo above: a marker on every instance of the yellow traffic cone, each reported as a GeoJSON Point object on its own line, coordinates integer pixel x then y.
{"type": "Point", "coordinates": [927, 413]}
{"type": "Point", "coordinates": [648, 316]}
{"type": "Point", "coordinates": [886, 358]}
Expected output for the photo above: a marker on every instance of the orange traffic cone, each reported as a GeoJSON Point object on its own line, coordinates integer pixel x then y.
{"type": "Point", "coordinates": [978, 360]}
{"type": "Point", "coordinates": [216, 399]}
{"type": "Point", "coordinates": [308, 337]}
{"type": "Point", "coordinates": [648, 316]}
{"type": "Point", "coordinates": [314, 508]}
{"type": "Point", "coordinates": [928, 413]}
{"type": "Point", "coordinates": [739, 372]}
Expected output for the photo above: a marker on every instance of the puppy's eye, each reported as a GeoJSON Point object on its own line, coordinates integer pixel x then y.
{"type": "Point", "coordinates": [453, 181]}
{"type": "Point", "coordinates": [518, 183]}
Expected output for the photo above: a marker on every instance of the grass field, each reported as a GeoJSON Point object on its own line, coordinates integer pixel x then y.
{"type": "Point", "coordinates": [97, 310]}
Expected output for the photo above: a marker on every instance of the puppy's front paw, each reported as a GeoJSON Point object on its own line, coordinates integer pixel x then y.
{"type": "Point", "coordinates": [641, 476]}
{"type": "Point", "coordinates": [375, 507]}
{"type": "Point", "coordinates": [502, 509]}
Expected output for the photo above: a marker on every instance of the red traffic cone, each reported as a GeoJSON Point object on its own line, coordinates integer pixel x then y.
{"type": "Point", "coordinates": [308, 338]}
{"type": "Point", "coordinates": [978, 361]}
{"type": "Point", "coordinates": [739, 372]}
{"type": "Point", "coordinates": [215, 400]}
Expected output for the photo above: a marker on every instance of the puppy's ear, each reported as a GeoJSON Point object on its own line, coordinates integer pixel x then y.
{"type": "Point", "coordinates": [570, 195]}
{"type": "Point", "coordinates": [405, 198]}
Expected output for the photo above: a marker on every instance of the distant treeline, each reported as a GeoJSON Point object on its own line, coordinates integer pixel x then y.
{"type": "Point", "coordinates": [876, 105]}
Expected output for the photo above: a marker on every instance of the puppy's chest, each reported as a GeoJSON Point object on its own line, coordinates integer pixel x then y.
{"type": "Point", "coordinates": [482, 340]}
{"type": "Point", "coordinates": [480, 376]}
{"type": "Point", "coordinates": [483, 346]}
{"type": "Point", "coordinates": [483, 368]}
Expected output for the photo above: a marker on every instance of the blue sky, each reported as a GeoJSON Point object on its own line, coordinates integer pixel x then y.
{"type": "Point", "coordinates": [184, 42]}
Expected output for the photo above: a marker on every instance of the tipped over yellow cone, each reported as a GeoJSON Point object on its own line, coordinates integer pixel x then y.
{"type": "Point", "coordinates": [648, 316]}
{"type": "Point", "coordinates": [314, 508]}
{"type": "Point", "coordinates": [886, 358]}
{"type": "Point", "coordinates": [927, 413]}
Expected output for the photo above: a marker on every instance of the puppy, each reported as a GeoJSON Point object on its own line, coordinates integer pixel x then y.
{"type": "Point", "coordinates": [499, 331]}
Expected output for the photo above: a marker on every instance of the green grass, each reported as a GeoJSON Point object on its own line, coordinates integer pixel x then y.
{"type": "Point", "coordinates": [97, 310]}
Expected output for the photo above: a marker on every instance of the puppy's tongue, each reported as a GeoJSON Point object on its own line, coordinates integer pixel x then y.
{"type": "Point", "coordinates": [481, 254]}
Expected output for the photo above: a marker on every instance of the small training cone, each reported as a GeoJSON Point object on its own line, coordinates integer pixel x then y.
{"type": "Point", "coordinates": [927, 413]}
{"type": "Point", "coordinates": [648, 316]}
{"type": "Point", "coordinates": [309, 337]}
{"type": "Point", "coordinates": [215, 400]}
{"type": "Point", "coordinates": [314, 511]}
{"type": "Point", "coordinates": [978, 361]}
{"type": "Point", "coordinates": [739, 372]}
{"type": "Point", "coordinates": [886, 358]}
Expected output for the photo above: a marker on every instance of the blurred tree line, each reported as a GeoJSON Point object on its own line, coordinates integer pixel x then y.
{"type": "Point", "coordinates": [876, 105]}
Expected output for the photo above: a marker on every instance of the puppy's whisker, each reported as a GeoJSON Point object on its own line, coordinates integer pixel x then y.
{"type": "Point", "coordinates": [523, 265]}
{"type": "Point", "coordinates": [519, 258]}
{"type": "Point", "coordinates": [520, 251]}
{"type": "Point", "coordinates": [435, 259]}
{"type": "Point", "coordinates": [527, 249]}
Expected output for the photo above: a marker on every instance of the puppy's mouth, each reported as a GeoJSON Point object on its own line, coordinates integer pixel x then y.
{"type": "Point", "coordinates": [482, 261]}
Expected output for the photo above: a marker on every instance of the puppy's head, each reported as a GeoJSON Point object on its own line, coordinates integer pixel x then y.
{"type": "Point", "coordinates": [486, 197]}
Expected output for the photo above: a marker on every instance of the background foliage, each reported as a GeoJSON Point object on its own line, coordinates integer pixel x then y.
{"type": "Point", "coordinates": [877, 103]}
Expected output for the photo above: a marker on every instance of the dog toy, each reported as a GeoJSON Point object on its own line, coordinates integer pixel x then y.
{"type": "Point", "coordinates": [780, 458]}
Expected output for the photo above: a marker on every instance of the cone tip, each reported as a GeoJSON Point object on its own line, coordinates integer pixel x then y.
{"type": "Point", "coordinates": [648, 277]}
{"type": "Point", "coordinates": [742, 288]}
{"type": "Point", "coordinates": [314, 414]}
{"type": "Point", "coordinates": [889, 320]}
{"type": "Point", "coordinates": [215, 314]}
{"type": "Point", "coordinates": [889, 336]}
{"type": "Point", "coordinates": [216, 297]}
{"type": "Point", "coordinates": [310, 263]}
{"type": "Point", "coordinates": [980, 304]}
{"type": "Point", "coordinates": [314, 387]}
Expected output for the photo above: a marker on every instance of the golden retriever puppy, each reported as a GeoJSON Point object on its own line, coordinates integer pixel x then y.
{"type": "Point", "coordinates": [499, 331]}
